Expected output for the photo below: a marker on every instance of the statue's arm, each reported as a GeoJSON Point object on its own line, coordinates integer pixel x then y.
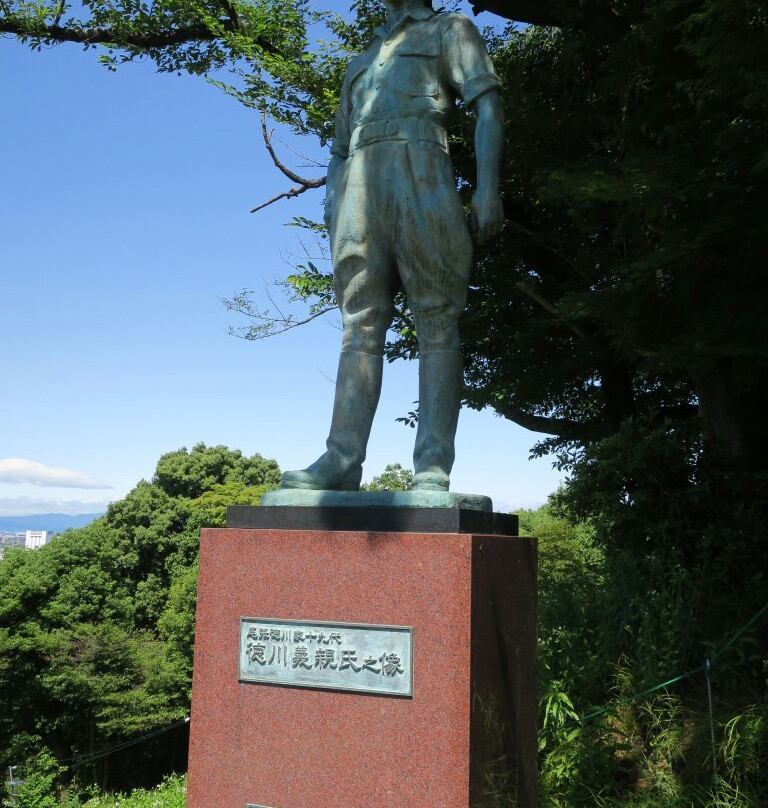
{"type": "Point", "coordinates": [339, 153]}
{"type": "Point", "coordinates": [331, 189]}
{"type": "Point", "coordinates": [470, 73]}
{"type": "Point", "coordinates": [487, 210]}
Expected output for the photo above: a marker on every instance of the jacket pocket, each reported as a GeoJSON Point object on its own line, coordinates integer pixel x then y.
{"type": "Point", "coordinates": [415, 70]}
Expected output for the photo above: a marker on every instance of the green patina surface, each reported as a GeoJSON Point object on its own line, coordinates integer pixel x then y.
{"type": "Point", "coordinates": [368, 499]}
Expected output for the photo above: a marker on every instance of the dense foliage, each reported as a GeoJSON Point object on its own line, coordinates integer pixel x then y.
{"type": "Point", "coordinates": [393, 478]}
{"type": "Point", "coordinates": [97, 627]}
{"type": "Point", "coordinates": [171, 793]}
{"type": "Point", "coordinates": [176, 34]}
{"type": "Point", "coordinates": [609, 734]}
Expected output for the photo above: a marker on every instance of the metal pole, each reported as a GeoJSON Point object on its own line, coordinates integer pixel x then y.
{"type": "Point", "coordinates": [12, 786]}
{"type": "Point", "coordinates": [708, 674]}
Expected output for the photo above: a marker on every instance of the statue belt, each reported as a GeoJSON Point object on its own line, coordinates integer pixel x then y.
{"type": "Point", "coordinates": [413, 130]}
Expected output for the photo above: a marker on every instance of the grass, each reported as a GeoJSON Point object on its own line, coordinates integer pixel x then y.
{"type": "Point", "coordinates": [171, 793]}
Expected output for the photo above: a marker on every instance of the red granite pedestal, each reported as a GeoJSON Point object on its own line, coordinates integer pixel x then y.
{"type": "Point", "coordinates": [467, 732]}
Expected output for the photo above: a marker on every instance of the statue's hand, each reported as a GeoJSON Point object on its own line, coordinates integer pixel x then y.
{"type": "Point", "coordinates": [487, 216]}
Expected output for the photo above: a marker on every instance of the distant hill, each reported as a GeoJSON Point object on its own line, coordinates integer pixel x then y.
{"type": "Point", "coordinates": [45, 521]}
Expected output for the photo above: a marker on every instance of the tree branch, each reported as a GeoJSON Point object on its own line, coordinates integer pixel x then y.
{"type": "Point", "coordinates": [62, 4]}
{"type": "Point", "coordinates": [582, 431]}
{"type": "Point", "coordinates": [562, 427]}
{"type": "Point", "coordinates": [292, 175]}
{"type": "Point", "coordinates": [304, 184]}
{"type": "Point", "coordinates": [600, 350]}
{"type": "Point", "coordinates": [271, 328]}
{"type": "Point", "coordinates": [592, 16]}
{"type": "Point", "coordinates": [529, 234]}
{"type": "Point", "coordinates": [289, 194]}
{"type": "Point", "coordinates": [124, 38]}
{"type": "Point", "coordinates": [232, 14]}
{"type": "Point", "coordinates": [678, 412]}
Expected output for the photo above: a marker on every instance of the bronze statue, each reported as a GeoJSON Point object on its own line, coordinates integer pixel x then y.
{"type": "Point", "coordinates": [394, 215]}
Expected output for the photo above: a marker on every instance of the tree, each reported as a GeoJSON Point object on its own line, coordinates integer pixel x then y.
{"type": "Point", "coordinates": [393, 478]}
{"type": "Point", "coordinates": [189, 474]}
{"type": "Point", "coordinates": [636, 173]}
{"type": "Point", "coordinates": [97, 627]}
{"type": "Point", "coordinates": [176, 34]}
{"type": "Point", "coordinates": [39, 788]}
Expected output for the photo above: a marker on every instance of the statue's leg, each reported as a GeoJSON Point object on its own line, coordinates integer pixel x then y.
{"type": "Point", "coordinates": [364, 279]}
{"type": "Point", "coordinates": [358, 384]}
{"type": "Point", "coordinates": [434, 262]}
{"type": "Point", "coordinates": [440, 385]}
{"type": "Point", "coordinates": [340, 468]}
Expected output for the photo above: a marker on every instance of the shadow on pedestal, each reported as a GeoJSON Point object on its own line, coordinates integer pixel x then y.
{"type": "Point", "coordinates": [380, 518]}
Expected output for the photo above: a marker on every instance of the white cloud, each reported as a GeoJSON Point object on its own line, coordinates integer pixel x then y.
{"type": "Point", "coordinates": [28, 506]}
{"type": "Point", "coordinates": [18, 470]}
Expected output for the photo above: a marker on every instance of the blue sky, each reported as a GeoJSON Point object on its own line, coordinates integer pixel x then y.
{"type": "Point", "coordinates": [124, 219]}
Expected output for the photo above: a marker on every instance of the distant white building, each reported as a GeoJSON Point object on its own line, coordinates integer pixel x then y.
{"type": "Point", "coordinates": [37, 538]}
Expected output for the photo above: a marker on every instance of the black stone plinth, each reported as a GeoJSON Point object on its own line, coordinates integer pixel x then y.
{"type": "Point", "coordinates": [374, 520]}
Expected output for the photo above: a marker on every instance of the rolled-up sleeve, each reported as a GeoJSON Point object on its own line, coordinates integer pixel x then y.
{"type": "Point", "coordinates": [466, 60]}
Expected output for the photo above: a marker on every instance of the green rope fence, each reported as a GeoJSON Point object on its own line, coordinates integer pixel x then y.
{"type": "Point", "coordinates": [706, 669]}
{"type": "Point", "coordinates": [91, 757]}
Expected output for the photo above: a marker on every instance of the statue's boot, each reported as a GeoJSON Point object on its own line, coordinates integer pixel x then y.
{"type": "Point", "coordinates": [440, 384]}
{"type": "Point", "coordinates": [340, 468]}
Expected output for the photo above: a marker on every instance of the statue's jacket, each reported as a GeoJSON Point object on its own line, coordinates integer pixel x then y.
{"type": "Point", "coordinates": [393, 210]}
{"type": "Point", "coordinates": [412, 73]}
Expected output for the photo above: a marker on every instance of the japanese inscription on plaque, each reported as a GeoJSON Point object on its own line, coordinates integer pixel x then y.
{"type": "Point", "coordinates": [338, 656]}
